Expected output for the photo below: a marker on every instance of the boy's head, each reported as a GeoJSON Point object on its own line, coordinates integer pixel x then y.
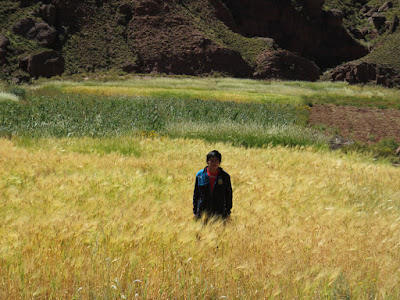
{"type": "Point", "coordinates": [214, 154]}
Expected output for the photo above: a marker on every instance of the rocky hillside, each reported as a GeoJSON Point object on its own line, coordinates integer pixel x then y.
{"type": "Point", "coordinates": [286, 39]}
{"type": "Point", "coordinates": [376, 24]}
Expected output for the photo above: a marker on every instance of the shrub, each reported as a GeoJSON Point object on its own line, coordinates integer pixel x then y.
{"type": "Point", "coordinates": [18, 91]}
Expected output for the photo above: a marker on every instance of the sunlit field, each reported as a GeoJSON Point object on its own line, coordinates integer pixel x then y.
{"type": "Point", "coordinates": [111, 218]}
{"type": "Point", "coordinates": [96, 182]}
{"type": "Point", "coordinates": [238, 90]}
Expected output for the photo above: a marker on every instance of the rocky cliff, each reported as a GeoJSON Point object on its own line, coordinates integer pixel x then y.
{"type": "Point", "coordinates": [285, 39]}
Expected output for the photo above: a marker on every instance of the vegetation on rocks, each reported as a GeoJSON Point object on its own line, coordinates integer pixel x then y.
{"type": "Point", "coordinates": [197, 37]}
{"type": "Point", "coordinates": [387, 53]}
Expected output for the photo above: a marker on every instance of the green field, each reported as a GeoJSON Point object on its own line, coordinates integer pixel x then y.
{"type": "Point", "coordinates": [228, 89]}
{"type": "Point", "coordinates": [239, 111]}
{"type": "Point", "coordinates": [96, 194]}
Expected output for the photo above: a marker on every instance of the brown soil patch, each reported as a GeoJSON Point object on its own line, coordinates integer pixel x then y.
{"type": "Point", "coordinates": [369, 125]}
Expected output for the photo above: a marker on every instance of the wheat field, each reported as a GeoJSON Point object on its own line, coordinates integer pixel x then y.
{"type": "Point", "coordinates": [81, 222]}
{"type": "Point", "coordinates": [227, 89]}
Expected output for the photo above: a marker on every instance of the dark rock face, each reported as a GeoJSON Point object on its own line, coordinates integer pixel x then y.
{"type": "Point", "coordinates": [334, 18]}
{"type": "Point", "coordinates": [322, 38]}
{"type": "Point", "coordinates": [43, 33]}
{"type": "Point", "coordinates": [124, 14]}
{"type": "Point", "coordinates": [365, 73]}
{"type": "Point", "coordinates": [394, 25]}
{"type": "Point", "coordinates": [167, 43]}
{"type": "Point", "coordinates": [130, 67]}
{"type": "Point", "coordinates": [48, 13]}
{"type": "Point", "coordinates": [379, 20]}
{"type": "Point", "coordinates": [4, 43]}
{"type": "Point", "coordinates": [45, 64]}
{"type": "Point", "coordinates": [223, 14]}
{"type": "Point", "coordinates": [68, 12]}
{"type": "Point", "coordinates": [286, 66]}
{"type": "Point", "coordinates": [23, 26]}
{"type": "Point", "coordinates": [314, 7]}
{"type": "Point", "coordinates": [357, 33]}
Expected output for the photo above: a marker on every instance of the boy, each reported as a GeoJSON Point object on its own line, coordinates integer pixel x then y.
{"type": "Point", "coordinates": [213, 191]}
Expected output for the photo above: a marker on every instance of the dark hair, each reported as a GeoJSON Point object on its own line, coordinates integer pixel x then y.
{"type": "Point", "coordinates": [214, 153]}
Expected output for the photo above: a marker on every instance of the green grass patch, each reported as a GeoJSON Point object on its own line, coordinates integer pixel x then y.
{"type": "Point", "coordinates": [387, 54]}
{"type": "Point", "coordinates": [100, 45]}
{"type": "Point", "coordinates": [251, 124]}
{"type": "Point", "coordinates": [385, 150]}
{"type": "Point", "coordinates": [354, 95]}
{"type": "Point", "coordinates": [230, 89]}
{"type": "Point", "coordinates": [251, 135]}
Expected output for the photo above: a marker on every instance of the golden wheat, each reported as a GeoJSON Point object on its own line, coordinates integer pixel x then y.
{"type": "Point", "coordinates": [95, 225]}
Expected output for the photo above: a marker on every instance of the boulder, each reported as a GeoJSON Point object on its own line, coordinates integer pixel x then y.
{"type": "Point", "coordinates": [357, 33]}
{"type": "Point", "coordinates": [23, 63]}
{"type": "Point", "coordinates": [285, 65]}
{"type": "Point", "coordinates": [394, 24]}
{"type": "Point", "coordinates": [45, 64]}
{"type": "Point", "coordinates": [47, 13]}
{"type": "Point", "coordinates": [334, 18]}
{"type": "Point", "coordinates": [129, 67]}
{"type": "Point", "coordinates": [379, 20]}
{"type": "Point", "coordinates": [363, 72]}
{"type": "Point", "coordinates": [23, 26]}
{"type": "Point", "coordinates": [43, 33]}
{"type": "Point", "coordinates": [4, 43]}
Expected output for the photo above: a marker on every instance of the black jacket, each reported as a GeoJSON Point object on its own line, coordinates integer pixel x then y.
{"type": "Point", "coordinates": [218, 202]}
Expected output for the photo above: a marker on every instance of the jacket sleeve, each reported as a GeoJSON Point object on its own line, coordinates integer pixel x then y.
{"type": "Point", "coordinates": [195, 196]}
{"type": "Point", "coordinates": [228, 196]}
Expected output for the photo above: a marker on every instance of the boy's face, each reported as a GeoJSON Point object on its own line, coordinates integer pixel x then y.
{"type": "Point", "coordinates": [213, 164]}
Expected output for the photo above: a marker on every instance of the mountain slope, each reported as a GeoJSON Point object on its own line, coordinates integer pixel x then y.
{"type": "Point", "coordinates": [194, 37]}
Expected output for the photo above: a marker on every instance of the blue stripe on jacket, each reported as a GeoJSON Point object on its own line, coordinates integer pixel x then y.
{"type": "Point", "coordinates": [202, 177]}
